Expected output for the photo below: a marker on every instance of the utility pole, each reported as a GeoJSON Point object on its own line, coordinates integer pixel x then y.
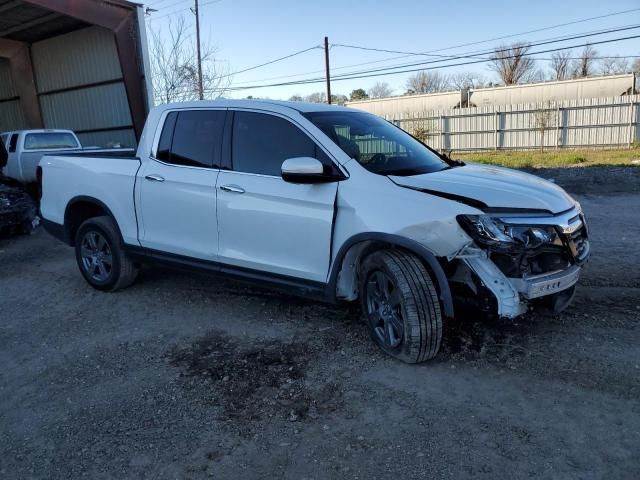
{"type": "Point", "coordinates": [200, 89]}
{"type": "Point", "coordinates": [326, 66]}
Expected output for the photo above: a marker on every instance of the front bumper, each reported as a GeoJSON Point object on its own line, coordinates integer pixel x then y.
{"type": "Point", "coordinates": [537, 286]}
{"type": "Point", "coordinates": [513, 292]}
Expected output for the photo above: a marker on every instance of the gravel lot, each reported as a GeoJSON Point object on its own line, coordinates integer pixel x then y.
{"type": "Point", "coordinates": [187, 376]}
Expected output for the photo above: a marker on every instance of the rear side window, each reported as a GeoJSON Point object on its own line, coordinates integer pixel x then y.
{"type": "Point", "coordinates": [49, 141]}
{"type": "Point", "coordinates": [262, 142]}
{"type": "Point", "coordinates": [13, 143]}
{"type": "Point", "coordinates": [192, 138]}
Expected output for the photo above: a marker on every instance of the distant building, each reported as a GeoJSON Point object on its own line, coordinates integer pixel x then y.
{"type": "Point", "coordinates": [590, 87]}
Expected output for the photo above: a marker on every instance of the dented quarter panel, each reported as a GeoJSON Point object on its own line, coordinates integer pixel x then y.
{"type": "Point", "coordinates": [372, 203]}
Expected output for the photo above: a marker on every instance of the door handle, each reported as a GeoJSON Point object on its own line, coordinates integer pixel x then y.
{"type": "Point", "coordinates": [154, 178]}
{"type": "Point", "coordinates": [232, 188]}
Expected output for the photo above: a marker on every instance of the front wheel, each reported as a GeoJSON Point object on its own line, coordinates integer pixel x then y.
{"type": "Point", "coordinates": [100, 256]}
{"type": "Point", "coordinates": [401, 306]}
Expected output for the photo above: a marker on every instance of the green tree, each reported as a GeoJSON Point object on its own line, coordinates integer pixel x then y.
{"type": "Point", "coordinates": [358, 94]}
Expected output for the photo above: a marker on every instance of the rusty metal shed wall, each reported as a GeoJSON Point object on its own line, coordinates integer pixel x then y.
{"type": "Point", "coordinates": [93, 108]}
{"type": "Point", "coordinates": [78, 58]}
{"type": "Point", "coordinates": [11, 117]}
{"type": "Point", "coordinates": [7, 90]}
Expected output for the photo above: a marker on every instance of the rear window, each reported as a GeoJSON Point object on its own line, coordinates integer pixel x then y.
{"type": "Point", "coordinates": [192, 138]}
{"type": "Point", "coordinates": [49, 141]}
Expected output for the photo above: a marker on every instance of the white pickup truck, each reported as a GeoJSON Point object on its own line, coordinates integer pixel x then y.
{"type": "Point", "coordinates": [324, 201]}
{"type": "Point", "coordinates": [27, 147]}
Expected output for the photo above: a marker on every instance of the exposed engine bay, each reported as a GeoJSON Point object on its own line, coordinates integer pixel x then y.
{"type": "Point", "coordinates": [517, 259]}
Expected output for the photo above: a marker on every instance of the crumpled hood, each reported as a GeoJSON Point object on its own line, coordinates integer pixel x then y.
{"type": "Point", "coordinates": [495, 187]}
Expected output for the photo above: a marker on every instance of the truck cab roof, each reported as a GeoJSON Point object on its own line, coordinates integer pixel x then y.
{"type": "Point", "coordinates": [273, 105]}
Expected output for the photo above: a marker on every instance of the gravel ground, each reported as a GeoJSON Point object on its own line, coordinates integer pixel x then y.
{"type": "Point", "coordinates": [187, 376]}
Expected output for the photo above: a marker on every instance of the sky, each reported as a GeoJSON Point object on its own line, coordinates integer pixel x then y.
{"type": "Point", "coordinates": [247, 33]}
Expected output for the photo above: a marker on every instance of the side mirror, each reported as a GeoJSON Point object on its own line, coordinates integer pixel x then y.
{"type": "Point", "coordinates": [304, 170]}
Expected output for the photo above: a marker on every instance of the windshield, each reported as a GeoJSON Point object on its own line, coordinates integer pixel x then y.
{"type": "Point", "coordinates": [49, 141]}
{"type": "Point", "coordinates": [376, 144]}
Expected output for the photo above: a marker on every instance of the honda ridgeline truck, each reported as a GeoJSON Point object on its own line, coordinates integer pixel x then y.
{"type": "Point", "coordinates": [324, 201]}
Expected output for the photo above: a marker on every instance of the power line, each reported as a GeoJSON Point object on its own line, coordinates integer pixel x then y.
{"type": "Point", "coordinates": [271, 61]}
{"type": "Point", "coordinates": [492, 52]}
{"type": "Point", "coordinates": [444, 57]}
{"type": "Point", "coordinates": [559, 25]}
{"type": "Point", "coordinates": [376, 74]}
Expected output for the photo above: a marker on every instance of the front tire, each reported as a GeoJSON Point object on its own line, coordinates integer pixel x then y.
{"type": "Point", "coordinates": [101, 257]}
{"type": "Point", "coordinates": [401, 306]}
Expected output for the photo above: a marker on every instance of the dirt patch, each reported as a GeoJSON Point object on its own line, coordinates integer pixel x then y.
{"type": "Point", "coordinates": [266, 378]}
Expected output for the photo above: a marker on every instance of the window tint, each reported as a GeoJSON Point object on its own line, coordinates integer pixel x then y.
{"type": "Point", "coordinates": [164, 145]}
{"type": "Point", "coordinates": [192, 138]}
{"type": "Point", "coordinates": [49, 141]}
{"type": "Point", "coordinates": [376, 144]}
{"type": "Point", "coordinates": [13, 143]}
{"type": "Point", "coordinates": [262, 142]}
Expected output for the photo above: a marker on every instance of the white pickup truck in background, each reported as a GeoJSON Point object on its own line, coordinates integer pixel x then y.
{"type": "Point", "coordinates": [27, 147]}
{"type": "Point", "coordinates": [327, 202]}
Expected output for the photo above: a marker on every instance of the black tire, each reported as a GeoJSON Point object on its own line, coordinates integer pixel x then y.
{"type": "Point", "coordinates": [119, 272]}
{"type": "Point", "coordinates": [412, 294]}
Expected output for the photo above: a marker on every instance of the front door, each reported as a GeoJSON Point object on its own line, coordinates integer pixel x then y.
{"type": "Point", "coordinates": [264, 222]}
{"type": "Point", "coordinates": [176, 187]}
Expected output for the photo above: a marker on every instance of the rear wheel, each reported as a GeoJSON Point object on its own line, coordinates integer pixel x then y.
{"type": "Point", "coordinates": [400, 303]}
{"type": "Point", "coordinates": [100, 256]}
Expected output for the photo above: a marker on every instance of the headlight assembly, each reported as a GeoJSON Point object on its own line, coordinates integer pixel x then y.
{"type": "Point", "coordinates": [492, 232]}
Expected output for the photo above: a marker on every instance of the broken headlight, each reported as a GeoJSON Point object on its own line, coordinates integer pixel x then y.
{"type": "Point", "coordinates": [492, 232]}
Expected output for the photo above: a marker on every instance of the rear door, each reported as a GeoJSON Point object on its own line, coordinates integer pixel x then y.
{"type": "Point", "coordinates": [266, 223]}
{"type": "Point", "coordinates": [176, 187]}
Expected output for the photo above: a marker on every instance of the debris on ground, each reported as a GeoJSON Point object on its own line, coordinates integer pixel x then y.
{"type": "Point", "coordinates": [18, 211]}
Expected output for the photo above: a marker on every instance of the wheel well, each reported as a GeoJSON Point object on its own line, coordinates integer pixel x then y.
{"type": "Point", "coordinates": [346, 281]}
{"type": "Point", "coordinates": [78, 212]}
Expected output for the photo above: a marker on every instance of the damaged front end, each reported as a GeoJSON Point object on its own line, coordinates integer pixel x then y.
{"type": "Point", "coordinates": [521, 259]}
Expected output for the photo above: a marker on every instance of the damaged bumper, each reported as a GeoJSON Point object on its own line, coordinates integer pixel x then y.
{"type": "Point", "coordinates": [516, 277]}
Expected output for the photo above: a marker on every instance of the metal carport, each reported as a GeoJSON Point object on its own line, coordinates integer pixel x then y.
{"type": "Point", "coordinates": [77, 64]}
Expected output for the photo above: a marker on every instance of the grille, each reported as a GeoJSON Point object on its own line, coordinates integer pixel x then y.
{"type": "Point", "coordinates": [578, 244]}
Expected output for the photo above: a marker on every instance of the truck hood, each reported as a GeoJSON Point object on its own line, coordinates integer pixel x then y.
{"type": "Point", "coordinates": [487, 187]}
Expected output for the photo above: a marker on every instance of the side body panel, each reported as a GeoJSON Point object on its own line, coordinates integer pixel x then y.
{"type": "Point", "coordinates": [178, 214]}
{"type": "Point", "coordinates": [111, 181]}
{"type": "Point", "coordinates": [276, 226]}
{"type": "Point", "coordinates": [372, 203]}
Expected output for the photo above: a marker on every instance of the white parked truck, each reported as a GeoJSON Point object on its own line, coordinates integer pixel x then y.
{"type": "Point", "coordinates": [26, 147]}
{"type": "Point", "coordinates": [324, 201]}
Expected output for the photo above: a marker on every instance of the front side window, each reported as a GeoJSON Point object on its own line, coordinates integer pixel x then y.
{"type": "Point", "coordinates": [49, 141]}
{"type": "Point", "coordinates": [376, 144]}
{"type": "Point", "coordinates": [261, 143]}
{"type": "Point", "coordinates": [192, 138]}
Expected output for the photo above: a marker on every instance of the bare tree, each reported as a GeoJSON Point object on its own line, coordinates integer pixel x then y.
{"type": "Point", "coordinates": [174, 69]}
{"type": "Point", "coordinates": [614, 65]}
{"type": "Point", "coordinates": [316, 97]}
{"type": "Point", "coordinates": [296, 98]}
{"type": "Point", "coordinates": [463, 80]}
{"type": "Point", "coordinates": [379, 90]}
{"type": "Point", "coordinates": [561, 64]}
{"type": "Point", "coordinates": [584, 66]}
{"type": "Point", "coordinates": [544, 120]}
{"type": "Point", "coordinates": [635, 66]}
{"type": "Point", "coordinates": [512, 64]}
{"type": "Point", "coordinates": [427, 82]}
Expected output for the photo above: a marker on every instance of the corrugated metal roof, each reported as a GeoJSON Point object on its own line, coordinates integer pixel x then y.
{"type": "Point", "coordinates": [27, 23]}
{"type": "Point", "coordinates": [78, 58]}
